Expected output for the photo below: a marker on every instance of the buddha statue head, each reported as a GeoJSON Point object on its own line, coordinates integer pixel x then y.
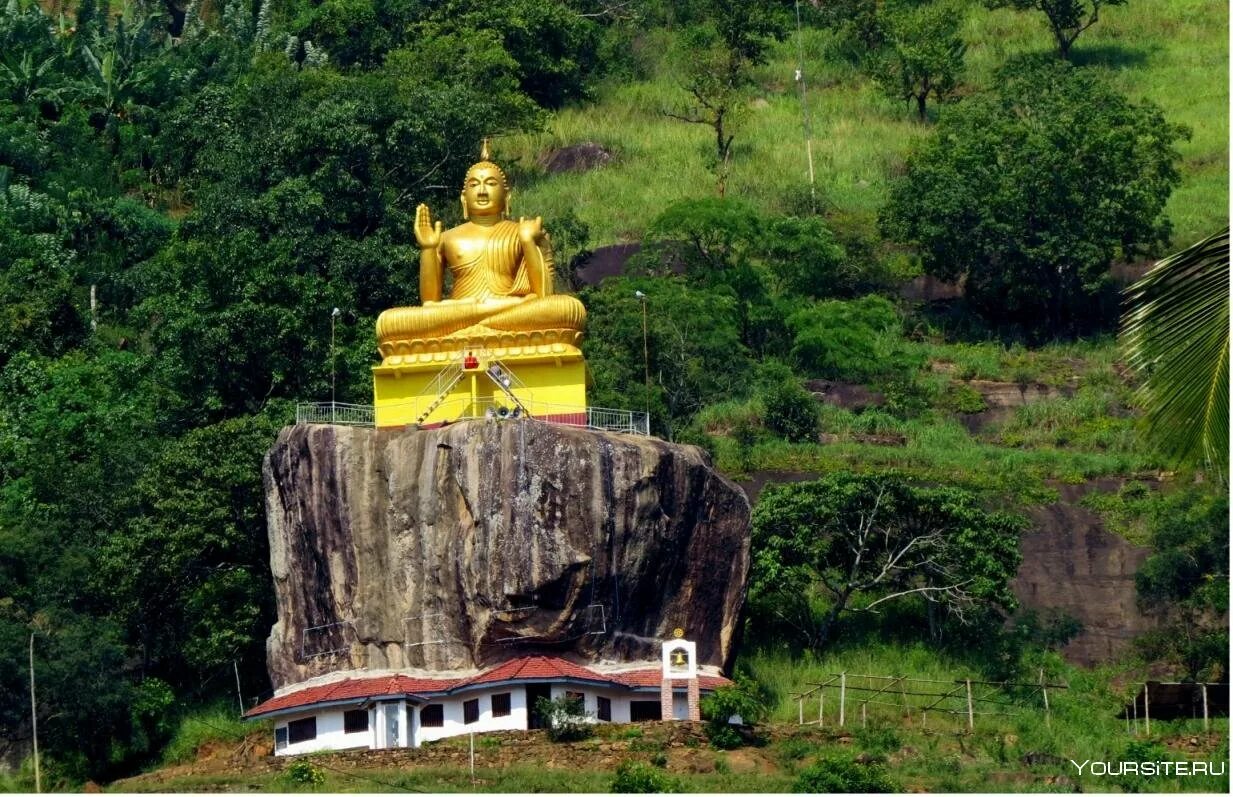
{"type": "Point", "coordinates": [485, 189]}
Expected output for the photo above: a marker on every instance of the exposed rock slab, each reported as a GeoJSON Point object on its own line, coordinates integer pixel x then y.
{"type": "Point", "coordinates": [457, 547]}
{"type": "Point", "coordinates": [1074, 566]}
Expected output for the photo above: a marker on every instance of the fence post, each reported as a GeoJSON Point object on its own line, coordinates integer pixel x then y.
{"type": "Point", "coordinates": [903, 697]}
{"type": "Point", "coordinates": [800, 711]}
{"type": "Point", "coordinates": [843, 688]}
{"type": "Point", "coordinates": [968, 681]}
{"type": "Point", "coordinates": [1205, 720]}
{"type": "Point", "coordinates": [1134, 707]}
{"type": "Point", "coordinates": [1147, 710]}
{"type": "Point", "coordinates": [864, 719]}
{"type": "Point", "coordinates": [821, 697]}
{"type": "Point", "coordinates": [1045, 694]}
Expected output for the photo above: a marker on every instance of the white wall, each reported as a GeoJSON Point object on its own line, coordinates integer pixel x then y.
{"type": "Point", "coordinates": [330, 734]}
{"type": "Point", "coordinates": [454, 725]}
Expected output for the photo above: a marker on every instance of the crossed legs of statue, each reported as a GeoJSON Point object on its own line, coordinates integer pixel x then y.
{"type": "Point", "coordinates": [505, 313]}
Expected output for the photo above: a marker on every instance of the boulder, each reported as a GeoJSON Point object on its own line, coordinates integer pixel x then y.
{"type": "Point", "coordinates": [459, 547]}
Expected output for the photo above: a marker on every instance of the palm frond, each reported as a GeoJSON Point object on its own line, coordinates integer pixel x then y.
{"type": "Point", "coordinates": [1175, 334]}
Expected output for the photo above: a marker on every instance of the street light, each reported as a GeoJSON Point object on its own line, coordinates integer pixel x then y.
{"type": "Point", "coordinates": [333, 382]}
{"type": "Point", "coordinates": [646, 359]}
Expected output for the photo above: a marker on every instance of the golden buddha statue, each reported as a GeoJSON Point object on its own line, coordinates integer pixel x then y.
{"type": "Point", "coordinates": [502, 274]}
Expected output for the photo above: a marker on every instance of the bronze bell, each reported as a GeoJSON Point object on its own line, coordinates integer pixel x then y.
{"type": "Point", "coordinates": [679, 659]}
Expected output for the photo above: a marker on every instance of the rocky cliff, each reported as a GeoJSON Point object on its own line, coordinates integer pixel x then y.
{"type": "Point", "coordinates": [457, 547]}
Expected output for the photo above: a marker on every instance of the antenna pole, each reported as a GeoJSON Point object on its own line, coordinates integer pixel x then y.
{"type": "Point", "coordinates": [800, 79]}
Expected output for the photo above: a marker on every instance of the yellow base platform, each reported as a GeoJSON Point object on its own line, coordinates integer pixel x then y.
{"type": "Point", "coordinates": [545, 381]}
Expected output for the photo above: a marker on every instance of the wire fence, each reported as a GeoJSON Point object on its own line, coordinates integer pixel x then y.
{"type": "Point", "coordinates": [852, 698]}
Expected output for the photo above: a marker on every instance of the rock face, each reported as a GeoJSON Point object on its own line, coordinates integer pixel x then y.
{"type": "Point", "coordinates": [458, 547]}
{"type": "Point", "coordinates": [1073, 565]}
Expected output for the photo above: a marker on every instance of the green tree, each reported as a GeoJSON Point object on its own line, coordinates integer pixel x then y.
{"type": "Point", "coordinates": [693, 343]}
{"type": "Point", "coordinates": [860, 541]}
{"type": "Point", "coordinates": [858, 340]}
{"type": "Point", "coordinates": [1175, 333]}
{"type": "Point", "coordinates": [715, 56]}
{"type": "Point", "coordinates": [923, 54]}
{"type": "Point", "coordinates": [1186, 581]}
{"type": "Point", "coordinates": [791, 411]}
{"type": "Point", "coordinates": [190, 573]}
{"type": "Point", "coordinates": [1031, 191]}
{"type": "Point", "coordinates": [1066, 18]}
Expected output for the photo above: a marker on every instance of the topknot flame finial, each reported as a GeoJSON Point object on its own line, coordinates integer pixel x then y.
{"type": "Point", "coordinates": [484, 156]}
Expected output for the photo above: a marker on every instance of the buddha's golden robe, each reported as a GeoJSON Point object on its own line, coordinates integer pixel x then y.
{"type": "Point", "coordinates": [491, 293]}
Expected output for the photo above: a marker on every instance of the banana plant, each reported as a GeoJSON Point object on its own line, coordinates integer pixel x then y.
{"type": "Point", "coordinates": [1175, 334]}
{"type": "Point", "coordinates": [25, 82]}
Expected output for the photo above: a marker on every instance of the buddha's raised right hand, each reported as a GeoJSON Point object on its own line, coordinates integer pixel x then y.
{"type": "Point", "coordinates": [427, 235]}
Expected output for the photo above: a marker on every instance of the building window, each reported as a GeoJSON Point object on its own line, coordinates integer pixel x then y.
{"type": "Point", "coordinates": [304, 730]}
{"type": "Point", "coordinates": [644, 711]}
{"type": "Point", "coordinates": [280, 738]}
{"type": "Point", "coordinates": [500, 705]}
{"type": "Point", "coordinates": [432, 716]}
{"type": "Point", "coordinates": [603, 709]}
{"type": "Point", "coordinates": [355, 721]}
{"type": "Point", "coordinates": [470, 711]}
{"type": "Point", "coordinates": [579, 697]}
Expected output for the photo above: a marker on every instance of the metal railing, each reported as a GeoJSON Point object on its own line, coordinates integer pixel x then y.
{"type": "Point", "coordinates": [336, 413]}
{"type": "Point", "coordinates": [603, 419]}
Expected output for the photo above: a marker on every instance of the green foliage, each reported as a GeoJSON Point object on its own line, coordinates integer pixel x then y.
{"type": "Point", "coordinates": [791, 411]}
{"type": "Point", "coordinates": [853, 341]}
{"type": "Point", "coordinates": [963, 398]}
{"type": "Point", "coordinates": [634, 777]}
{"type": "Point", "coordinates": [218, 722]}
{"type": "Point", "coordinates": [1176, 336]}
{"type": "Point", "coordinates": [840, 775]}
{"type": "Point", "coordinates": [743, 699]}
{"type": "Point", "coordinates": [304, 773]}
{"type": "Point", "coordinates": [695, 352]}
{"type": "Point", "coordinates": [565, 719]}
{"type": "Point", "coordinates": [934, 544]}
{"type": "Point", "coordinates": [1031, 191]}
{"type": "Point", "coordinates": [715, 55]}
{"type": "Point", "coordinates": [923, 55]}
{"type": "Point", "coordinates": [1066, 18]}
{"type": "Point", "coordinates": [1186, 579]}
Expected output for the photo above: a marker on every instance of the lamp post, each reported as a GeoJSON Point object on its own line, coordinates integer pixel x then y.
{"type": "Point", "coordinates": [333, 383]}
{"type": "Point", "coordinates": [646, 359]}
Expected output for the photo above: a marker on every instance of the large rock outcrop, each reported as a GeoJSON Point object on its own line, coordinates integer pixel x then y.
{"type": "Point", "coordinates": [457, 547]}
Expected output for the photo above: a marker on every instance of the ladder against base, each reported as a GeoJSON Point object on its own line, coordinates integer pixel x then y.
{"type": "Point", "coordinates": [541, 378]}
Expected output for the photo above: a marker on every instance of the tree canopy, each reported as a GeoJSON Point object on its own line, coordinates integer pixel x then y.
{"type": "Point", "coordinates": [1030, 191]}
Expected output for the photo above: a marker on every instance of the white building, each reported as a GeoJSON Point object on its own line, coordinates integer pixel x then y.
{"type": "Point", "coordinates": [396, 710]}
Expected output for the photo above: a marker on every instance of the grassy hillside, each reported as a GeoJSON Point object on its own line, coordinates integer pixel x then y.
{"type": "Point", "coordinates": [1172, 52]}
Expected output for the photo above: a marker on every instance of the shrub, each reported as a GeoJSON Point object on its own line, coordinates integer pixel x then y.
{"type": "Point", "coordinates": [791, 411]}
{"type": "Point", "coordinates": [638, 778]}
{"type": "Point", "coordinates": [304, 773]}
{"type": "Point", "coordinates": [842, 776]}
{"type": "Point", "coordinates": [877, 740]}
{"type": "Point", "coordinates": [565, 719]}
{"type": "Point", "coordinates": [854, 341]}
{"type": "Point", "coordinates": [741, 699]}
{"type": "Point", "coordinates": [963, 399]}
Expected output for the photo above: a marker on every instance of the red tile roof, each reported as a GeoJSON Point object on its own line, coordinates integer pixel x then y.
{"type": "Point", "coordinates": [536, 667]}
{"type": "Point", "coordinates": [353, 689]}
{"type": "Point", "coordinates": [653, 676]}
{"type": "Point", "coordinates": [525, 668]}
